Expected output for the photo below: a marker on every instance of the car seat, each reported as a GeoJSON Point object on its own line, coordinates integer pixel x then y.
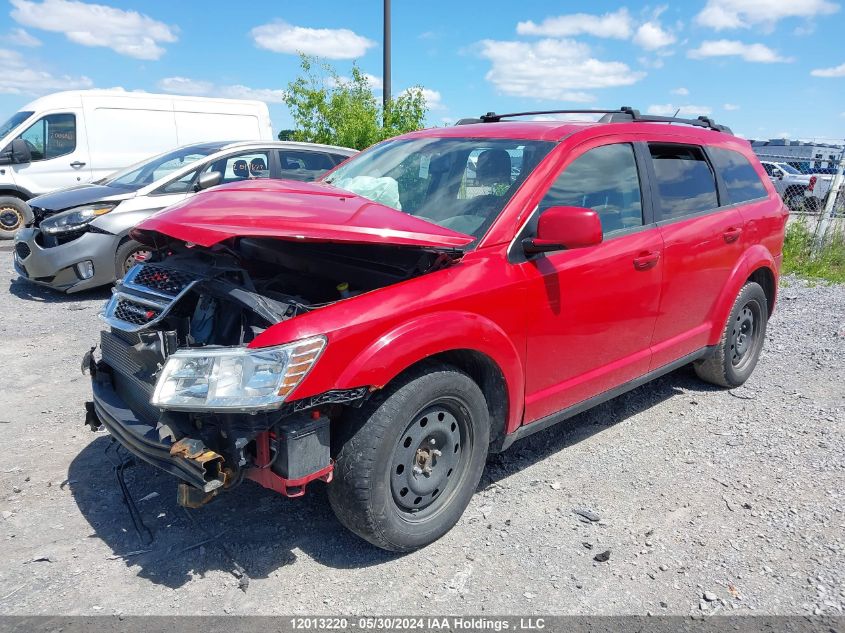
{"type": "Point", "coordinates": [240, 169]}
{"type": "Point", "coordinates": [258, 168]}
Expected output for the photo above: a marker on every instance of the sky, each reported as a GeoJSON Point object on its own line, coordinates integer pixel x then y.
{"type": "Point", "coordinates": [767, 68]}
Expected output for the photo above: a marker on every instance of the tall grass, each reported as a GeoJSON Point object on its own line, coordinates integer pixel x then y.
{"type": "Point", "coordinates": [826, 263]}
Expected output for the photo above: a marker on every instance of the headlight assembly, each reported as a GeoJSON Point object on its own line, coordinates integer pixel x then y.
{"type": "Point", "coordinates": [234, 379]}
{"type": "Point", "coordinates": [74, 219]}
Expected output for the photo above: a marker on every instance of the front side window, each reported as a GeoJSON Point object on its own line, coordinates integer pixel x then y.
{"type": "Point", "coordinates": [685, 182]}
{"type": "Point", "coordinates": [251, 165]}
{"type": "Point", "coordinates": [740, 178]}
{"type": "Point", "coordinates": [604, 179]}
{"type": "Point", "coordinates": [51, 136]}
{"type": "Point", "coordinates": [459, 183]}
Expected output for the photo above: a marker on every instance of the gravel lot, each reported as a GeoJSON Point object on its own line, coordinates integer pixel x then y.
{"type": "Point", "coordinates": [706, 499]}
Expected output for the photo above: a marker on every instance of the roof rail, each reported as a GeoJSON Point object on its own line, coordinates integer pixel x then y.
{"type": "Point", "coordinates": [623, 114]}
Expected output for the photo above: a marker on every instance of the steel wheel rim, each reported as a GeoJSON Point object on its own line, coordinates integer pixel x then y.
{"type": "Point", "coordinates": [421, 480]}
{"type": "Point", "coordinates": [745, 335]}
{"type": "Point", "coordinates": [10, 218]}
{"type": "Point", "coordinates": [136, 257]}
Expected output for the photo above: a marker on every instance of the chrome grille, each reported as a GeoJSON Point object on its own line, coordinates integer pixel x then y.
{"type": "Point", "coordinates": [135, 312]}
{"type": "Point", "coordinates": [159, 280]}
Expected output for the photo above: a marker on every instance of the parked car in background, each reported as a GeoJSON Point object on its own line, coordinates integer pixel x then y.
{"type": "Point", "coordinates": [386, 328]}
{"type": "Point", "coordinates": [69, 138]}
{"type": "Point", "coordinates": [80, 239]}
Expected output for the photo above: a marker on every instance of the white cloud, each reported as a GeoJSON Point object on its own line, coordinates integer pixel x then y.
{"type": "Point", "coordinates": [281, 37]}
{"type": "Point", "coordinates": [668, 109]}
{"type": "Point", "coordinates": [552, 69]}
{"type": "Point", "coordinates": [651, 36]}
{"type": "Point", "coordinates": [21, 38]}
{"type": "Point", "coordinates": [680, 91]}
{"type": "Point", "coordinates": [835, 71]}
{"type": "Point", "coordinates": [193, 87]}
{"type": "Point", "coordinates": [19, 76]}
{"type": "Point", "coordinates": [126, 32]}
{"type": "Point", "coordinates": [433, 99]}
{"type": "Point", "coordinates": [733, 48]}
{"type": "Point", "coordinates": [733, 14]}
{"type": "Point", "coordinates": [616, 25]}
{"type": "Point", "coordinates": [730, 107]}
{"type": "Point", "coordinates": [185, 86]}
{"type": "Point", "coordinates": [651, 62]}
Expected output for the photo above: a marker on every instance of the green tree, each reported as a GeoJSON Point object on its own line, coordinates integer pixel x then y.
{"type": "Point", "coordinates": [327, 108]}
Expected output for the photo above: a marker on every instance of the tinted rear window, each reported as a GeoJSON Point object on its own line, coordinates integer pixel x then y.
{"type": "Point", "coordinates": [740, 178]}
{"type": "Point", "coordinates": [685, 182]}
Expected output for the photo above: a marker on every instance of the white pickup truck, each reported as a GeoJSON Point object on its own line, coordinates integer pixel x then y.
{"type": "Point", "coordinates": [799, 191]}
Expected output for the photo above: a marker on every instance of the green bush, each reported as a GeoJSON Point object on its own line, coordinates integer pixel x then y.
{"type": "Point", "coordinates": [799, 258]}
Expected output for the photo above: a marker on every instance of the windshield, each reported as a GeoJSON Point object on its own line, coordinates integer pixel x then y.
{"type": "Point", "coordinates": [459, 183]}
{"type": "Point", "coordinates": [148, 171]}
{"type": "Point", "coordinates": [14, 121]}
{"type": "Point", "coordinates": [789, 169]}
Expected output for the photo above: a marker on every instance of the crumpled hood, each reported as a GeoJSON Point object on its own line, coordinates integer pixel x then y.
{"type": "Point", "coordinates": [300, 211]}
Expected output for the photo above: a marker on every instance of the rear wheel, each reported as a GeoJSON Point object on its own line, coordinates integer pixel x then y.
{"type": "Point", "coordinates": [128, 254]}
{"type": "Point", "coordinates": [408, 462]}
{"type": "Point", "coordinates": [13, 216]}
{"type": "Point", "coordinates": [734, 358]}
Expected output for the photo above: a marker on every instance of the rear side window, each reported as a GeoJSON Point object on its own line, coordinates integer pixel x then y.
{"type": "Point", "coordinates": [304, 165]}
{"type": "Point", "coordinates": [740, 178]}
{"type": "Point", "coordinates": [604, 179]}
{"type": "Point", "coordinates": [685, 182]}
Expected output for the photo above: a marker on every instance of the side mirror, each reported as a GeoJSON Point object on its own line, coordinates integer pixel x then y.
{"type": "Point", "coordinates": [16, 152]}
{"type": "Point", "coordinates": [208, 180]}
{"type": "Point", "coordinates": [562, 228]}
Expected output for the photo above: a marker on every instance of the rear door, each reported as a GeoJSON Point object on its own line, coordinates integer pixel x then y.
{"type": "Point", "coordinates": [304, 165]}
{"type": "Point", "coordinates": [702, 237]}
{"type": "Point", "coordinates": [591, 311]}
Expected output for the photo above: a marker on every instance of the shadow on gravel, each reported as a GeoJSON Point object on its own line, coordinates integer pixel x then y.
{"type": "Point", "coordinates": [29, 291]}
{"type": "Point", "coordinates": [260, 531]}
{"type": "Point", "coordinates": [541, 445]}
{"type": "Point", "coordinates": [253, 528]}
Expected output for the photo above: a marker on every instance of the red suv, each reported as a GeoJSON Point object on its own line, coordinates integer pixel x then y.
{"type": "Point", "coordinates": [432, 300]}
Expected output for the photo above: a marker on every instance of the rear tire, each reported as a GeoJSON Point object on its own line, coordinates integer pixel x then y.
{"type": "Point", "coordinates": [730, 364]}
{"type": "Point", "coordinates": [408, 462]}
{"type": "Point", "coordinates": [14, 214]}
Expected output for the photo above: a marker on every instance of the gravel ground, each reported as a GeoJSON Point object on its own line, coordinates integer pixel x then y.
{"type": "Point", "coordinates": [722, 501]}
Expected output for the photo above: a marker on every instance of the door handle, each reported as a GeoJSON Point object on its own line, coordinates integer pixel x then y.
{"type": "Point", "coordinates": [732, 234]}
{"type": "Point", "coordinates": [646, 260]}
{"type": "Point", "coordinates": [77, 164]}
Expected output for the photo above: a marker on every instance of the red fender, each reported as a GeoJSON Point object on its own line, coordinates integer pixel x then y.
{"type": "Point", "coordinates": [431, 334]}
{"type": "Point", "coordinates": [755, 257]}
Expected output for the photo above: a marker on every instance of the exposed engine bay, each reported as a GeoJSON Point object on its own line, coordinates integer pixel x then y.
{"type": "Point", "coordinates": [207, 299]}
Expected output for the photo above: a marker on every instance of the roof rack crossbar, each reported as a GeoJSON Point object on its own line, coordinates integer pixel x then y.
{"type": "Point", "coordinates": [625, 113]}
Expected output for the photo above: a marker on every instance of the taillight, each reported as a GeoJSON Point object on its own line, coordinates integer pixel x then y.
{"type": "Point", "coordinates": [812, 183]}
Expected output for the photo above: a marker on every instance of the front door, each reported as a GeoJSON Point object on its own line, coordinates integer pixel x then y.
{"type": "Point", "coordinates": [592, 310]}
{"type": "Point", "coordinates": [59, 154]}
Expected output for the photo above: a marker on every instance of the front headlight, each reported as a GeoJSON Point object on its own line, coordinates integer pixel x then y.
{"type": "Point", "coordinates": [76, 218]}
{"type": "Point", "coordinates": [234, 379]}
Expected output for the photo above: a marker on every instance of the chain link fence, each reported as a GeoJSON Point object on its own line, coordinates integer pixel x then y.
{"type": "Point", "coordinates": [809, 178]}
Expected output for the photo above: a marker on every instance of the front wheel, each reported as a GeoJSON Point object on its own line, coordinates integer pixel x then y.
{"type": "Point", "coordinates": [128, 254]}
{"type": "Point", "coordinates": [14, 214]}
{"type": "Point", "coordinates": [408, 462]}
{"type": "Point", "coordinates": [730, 364]}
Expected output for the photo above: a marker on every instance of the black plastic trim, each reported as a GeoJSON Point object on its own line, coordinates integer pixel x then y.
{"type": "Point", "coordinates": [550, 420]}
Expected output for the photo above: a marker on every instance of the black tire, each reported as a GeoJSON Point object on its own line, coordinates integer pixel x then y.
{"type": "Point", "coordinates": [794, 197]}
{"type": "Point", "coordinates": [376, 492]}
{"type": "Point", "coordinates": [125, 254]}
{"type": "Point", "coordinates": [14, 215]}
{"type": "Point", "coordinates": [736, 355]}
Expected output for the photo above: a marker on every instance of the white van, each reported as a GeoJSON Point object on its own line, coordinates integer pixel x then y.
{"type": "Point", "coordinates": [71, 138]}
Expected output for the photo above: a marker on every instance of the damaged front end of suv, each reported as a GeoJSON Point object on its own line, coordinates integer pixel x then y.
{"type": "Point", "coordinates": [192, 374]}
